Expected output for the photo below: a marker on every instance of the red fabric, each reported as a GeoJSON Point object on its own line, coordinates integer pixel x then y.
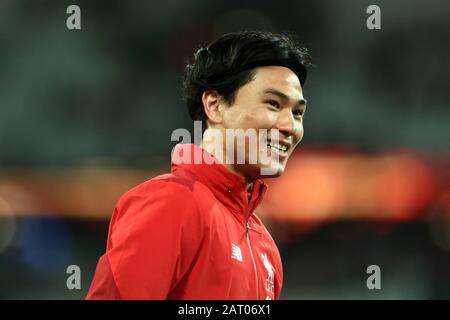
{"type": "Point", "coordinates": [183, 236]}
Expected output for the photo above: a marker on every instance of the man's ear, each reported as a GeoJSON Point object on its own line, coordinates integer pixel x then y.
{"type": "Point", "coordinates": [211, 104]}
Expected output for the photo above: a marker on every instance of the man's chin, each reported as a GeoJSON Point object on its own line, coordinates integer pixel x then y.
{"type": "Point", "coordinates": [275, 170]}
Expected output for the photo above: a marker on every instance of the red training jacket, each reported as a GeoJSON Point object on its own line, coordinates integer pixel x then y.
{"type": "Point", "coordinates": [191, 234]}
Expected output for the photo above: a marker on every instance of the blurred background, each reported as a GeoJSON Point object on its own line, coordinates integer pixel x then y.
{"type": "Point", "coordinates": [87, 114]}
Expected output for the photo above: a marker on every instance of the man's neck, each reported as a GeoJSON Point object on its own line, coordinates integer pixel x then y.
{"type": "Point", "coordinates": [248, 180]}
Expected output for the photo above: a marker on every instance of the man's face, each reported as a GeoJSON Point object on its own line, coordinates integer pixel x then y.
{"type": "Point", "coordinates": [272, 102]}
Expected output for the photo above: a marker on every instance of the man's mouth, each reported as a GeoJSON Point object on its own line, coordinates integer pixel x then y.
{"type": "Point", "coordinates": [281, 148]}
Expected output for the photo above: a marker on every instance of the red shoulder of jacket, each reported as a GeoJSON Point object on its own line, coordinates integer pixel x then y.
{"type": "Point", "coordinates": [152, 224]}
{"type": "Point", "coordinates": [166, 180]}
{"type": "Point", "coordinates": [173, 189]}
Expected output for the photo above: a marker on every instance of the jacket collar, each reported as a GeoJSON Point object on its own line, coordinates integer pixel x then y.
{"type": "Point", "coordinates": [227, 187]}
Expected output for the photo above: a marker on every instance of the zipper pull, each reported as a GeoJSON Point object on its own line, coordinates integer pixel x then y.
{"type": "Point", "coordinates": [247, 227]}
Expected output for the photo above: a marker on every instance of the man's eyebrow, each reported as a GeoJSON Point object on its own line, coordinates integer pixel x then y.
{"type": "Point", "coordinates": [283, 95]}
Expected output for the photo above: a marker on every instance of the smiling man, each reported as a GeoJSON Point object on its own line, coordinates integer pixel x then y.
{"type": "Point", "coordinates": [268, 135]}
{"type": "Point", "coordinates": [193, 233]}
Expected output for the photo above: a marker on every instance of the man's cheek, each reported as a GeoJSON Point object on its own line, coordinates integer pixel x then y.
{"type": "Point", "coordinates": [299, 137]}
{"type": "Point", "coordinates": [252, 120]}
{"type": "Point", "coordinates": [294, 147]}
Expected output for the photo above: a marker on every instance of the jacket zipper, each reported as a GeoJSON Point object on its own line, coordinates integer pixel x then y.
{"type": "Point", "coordinates": [253, 259]}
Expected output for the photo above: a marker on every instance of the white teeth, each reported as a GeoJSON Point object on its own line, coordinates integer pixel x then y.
{"type": "Point", "coordinates": [278, 146]}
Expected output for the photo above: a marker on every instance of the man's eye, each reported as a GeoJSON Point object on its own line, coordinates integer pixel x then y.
{"type": "Point", "coordinates": [297, 113]}
{"type": "Point", "coordinates": [273, 103]}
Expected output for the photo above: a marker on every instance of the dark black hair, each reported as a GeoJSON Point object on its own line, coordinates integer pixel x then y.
{"type": "Point", "coordinates": [229, 62]}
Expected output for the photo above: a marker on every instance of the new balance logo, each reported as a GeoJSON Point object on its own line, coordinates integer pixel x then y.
{"type": "Point", "coordinates": [236, 252]}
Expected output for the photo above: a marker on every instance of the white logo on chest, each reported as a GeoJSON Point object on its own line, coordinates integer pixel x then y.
{"type": "Point", "coordinates": [270, 275]}
{"type": "Point", "coordinates": [236, 252]}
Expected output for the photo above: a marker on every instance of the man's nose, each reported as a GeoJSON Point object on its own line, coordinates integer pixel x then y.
{"type": "Point", "coordinates": [288, 125]}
